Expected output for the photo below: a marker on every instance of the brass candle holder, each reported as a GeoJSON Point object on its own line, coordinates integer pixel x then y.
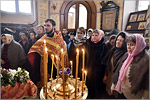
{"type": "Point", "coordinates": [55, 88]}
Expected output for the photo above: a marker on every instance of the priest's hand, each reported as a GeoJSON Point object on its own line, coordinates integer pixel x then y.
{"type": "Point", "coordinates": [2, 61]}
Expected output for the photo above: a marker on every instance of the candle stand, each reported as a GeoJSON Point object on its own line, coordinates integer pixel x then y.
{"type": "Point", "coordinates": [55, 88]}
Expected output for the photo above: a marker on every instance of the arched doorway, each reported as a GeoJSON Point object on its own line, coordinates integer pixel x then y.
{"type": "Point", "coordinates": [74, 14]}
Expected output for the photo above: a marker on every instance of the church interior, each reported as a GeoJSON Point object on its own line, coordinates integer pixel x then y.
{"type": "Point", "coordinates": [75, 49]}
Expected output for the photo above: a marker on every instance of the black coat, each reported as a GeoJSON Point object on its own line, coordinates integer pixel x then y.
{"type": "Point", "coordinates": [25, 47]}
{"type": "Point", "coordinates": [72, 57]}
{"type": "Point", "coordinates": [30, 43]}
{"type": "Point", "coordinates": [95, 69]}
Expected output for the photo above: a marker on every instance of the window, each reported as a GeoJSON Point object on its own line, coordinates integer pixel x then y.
{"type": "Point", "coordinates": [82, 16]}
{"type": "Point", "coordinates": [77, 12]}
{"type": "Point", "coordinates": [143, 5]}
{"type": "Point", "coordinates": [23, 6]}
{"type": "Point", "coordinates": [8, 6]}
{"type": "Point", "coordinates": [71, 17]}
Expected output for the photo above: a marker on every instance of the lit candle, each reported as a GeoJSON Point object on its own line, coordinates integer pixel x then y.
{"type": "Point", "coordinates": [77, 63]}
{"type": "Point", "coordinates": [62, 57]}
{"type": "Point", "coordinates": [85, 77]}
{"type": "Point", "coordinates": [52, 66]}
{"type": "Point", "coordinates": [71, 67]}
{"type": "Point", "coordinates": [83, 62]}
{"type": "Point", "coordinates": [44, 46]}
{"type": "Point", "coordinates": [57, 67]}
{"type": "Point", "coordinates": [45, 70]}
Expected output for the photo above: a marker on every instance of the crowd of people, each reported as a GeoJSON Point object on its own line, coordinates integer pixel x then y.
{"type": "Point", "coordinates": [112, 65]}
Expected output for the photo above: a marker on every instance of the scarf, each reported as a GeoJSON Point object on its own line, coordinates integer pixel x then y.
{"type": "Point", "coordinates": [99, 38]}
{"type": "Point", "coordinates": [78, 42]}
{"type": "Point", "coordinates": [139, 47]}
{"type": "Point", "coordinates": [9, 38]}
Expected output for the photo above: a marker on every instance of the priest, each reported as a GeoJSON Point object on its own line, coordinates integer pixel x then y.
{"type": "Point", "coordinates": [54, 44]}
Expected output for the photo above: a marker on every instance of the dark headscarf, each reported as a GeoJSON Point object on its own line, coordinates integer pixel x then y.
{"type": "Point", "coordinates": [119, 51]}
{"type": "Point", "coordinates": [115, 52]}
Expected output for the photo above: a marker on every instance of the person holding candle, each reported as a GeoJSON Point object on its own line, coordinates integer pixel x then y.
{"type": "Point", "coordinates": [78, 42]}
{"type": "Point", "coordinates": [54, 44]}
{"type": "Point", "coordinates": [95, 52]}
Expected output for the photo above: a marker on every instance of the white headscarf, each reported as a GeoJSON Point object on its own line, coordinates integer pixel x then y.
{"type": "Point", "coordinates": [9, 38]}
{"type": "Point", "coordinates": [90, 29]}
{"type": "Point", "coordinates": [102, 33]}
{"type": "Point", "coordinates": [79, 41]}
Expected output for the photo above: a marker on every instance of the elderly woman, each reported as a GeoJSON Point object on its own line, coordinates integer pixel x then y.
{"type": "Point", "coordinates": [95, 52]}
{"type": "Point", "coordinates": [79, 43]}
{"type": "Point", "coordinates": [111, 60]}
{"type": "Point", "coordinates": [12, 55]}
{"type": "Point", "coordinates": [132, 78]}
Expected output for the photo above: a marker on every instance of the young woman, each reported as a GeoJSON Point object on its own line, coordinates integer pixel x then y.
{"type": "Point", "coordinates": [40, 31]}
{"type": "Point", "coordinates": [133, 77]}
{"type": "Point", "coordinates": [95, 52]}
{"type": "Point", "coordinates": [32, 39]}
{"type": "Point", "coordinates": [24, 41]}
{"type": "Point", "coordinates": [79, 43]}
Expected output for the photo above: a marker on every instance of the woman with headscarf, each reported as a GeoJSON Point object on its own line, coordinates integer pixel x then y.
{"type": "Point", "coordinates": [111, 60]}
{"type": "Point", "coordinates": [95, 52]}
{"type": "Point", "coordinates": [12, 55]}
{"type": "Point", "coordinates": [24, 41]}
{"type": "Point", "coordinates": [32, 39]}
{"type": "Point", "coordinates": [132, 78]}
{"type": "Point", "coordinates": [79, 43]}
{"type": "Point", "coordinates": [89, 33]}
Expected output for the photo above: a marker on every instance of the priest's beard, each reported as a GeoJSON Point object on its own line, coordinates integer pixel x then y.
{"type": "Point", "coordinates": [50, 32]}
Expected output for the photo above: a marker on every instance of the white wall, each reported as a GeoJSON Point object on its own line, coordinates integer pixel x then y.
{"type": "Point", "coordinates": [129, 6]}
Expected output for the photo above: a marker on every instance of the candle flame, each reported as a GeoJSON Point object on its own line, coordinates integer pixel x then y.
{"type": "Point", "coordinates": [83, 50]}
{"type": "Point", "coordinates": [77, 50]}
{"type": "Point", "coordinates": [62, 50]}
{"type": "Point", "coordinates": [71, 62]}
{"type": "Point", "coordinates": [46, 49]}
{"type": "Point", "coordinates": [85, 72]}
{"type": "Point", "coordinates": [44, 41]}
{"type": "Point", "coordinates": [52, 55]}
{"type": "Point", "coordinates": [56, 57]}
